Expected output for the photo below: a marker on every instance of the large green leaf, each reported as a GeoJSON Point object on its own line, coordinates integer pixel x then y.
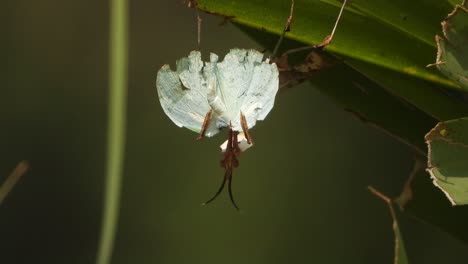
{"type": "Point", "coordinates": [360, 96]}
{"type": "Point", "coordinates": [452, 54]}
{"type": "Point", "coordinates": [448, 156]}
{"type": "Point", "coordinates": [426, 95]}
{"type": "Point", "coordinates": [392, 34]}
{"type": "Point", "coordinates": [448, 140]}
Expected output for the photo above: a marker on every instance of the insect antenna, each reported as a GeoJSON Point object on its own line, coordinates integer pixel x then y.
{"type": "Point", "coordinates": [229, 163]}
{"type": "Point", "coordinates": [220, 189]}
{"type": "Point", "coordinates": [230, 194]}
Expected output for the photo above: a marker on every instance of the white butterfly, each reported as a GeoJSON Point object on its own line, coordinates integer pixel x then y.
{"type": "Point", "coordinates": [206, 97]}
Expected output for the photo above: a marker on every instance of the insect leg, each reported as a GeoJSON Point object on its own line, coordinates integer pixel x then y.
{"type": "Point", "coordinates": [287, 28]}
{"type": "Point", "coordinates": [206, 123]}
{"type": "Point", "coordinates": [326, 41]}
{"type": "Point", "coordinates": [245, 128]}
{"type": "Point", "coordinates": [194, 4]}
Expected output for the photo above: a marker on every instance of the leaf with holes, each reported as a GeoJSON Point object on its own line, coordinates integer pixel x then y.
{"type": "Point", "coordinates": [448, 159]}
{"type": "Point", "coordinates": [452, 54]}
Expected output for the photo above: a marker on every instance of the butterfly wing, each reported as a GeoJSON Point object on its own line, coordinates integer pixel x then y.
{"type": "Point", "coordinates": [229, 81]}
{"type": "Point", "coordinates": [242, 82]}
{"type": "Point", "coordinates": [183, 94]}
{"type": "Point", "coordinates": [245, 83]}
{"type": "Point", "coordinates": [260, 95]}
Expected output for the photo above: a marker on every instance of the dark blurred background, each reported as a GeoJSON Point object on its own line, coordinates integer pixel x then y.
{"type": "Point", "coordinates": [302, 188]}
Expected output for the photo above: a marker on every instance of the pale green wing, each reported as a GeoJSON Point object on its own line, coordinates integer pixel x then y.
{"type": "Point", "coordinates": [182, 94]}
{"type": "Point", "coordinates": [245, 83]}
{"type": "Point", "coordinates": [232, 81]}
{"type": "Point", "coordinates": [260, 96]}
{"type": "Point", "coordinates": [215, 95]}
{"type": "Point", "coordinates": [242, 82]}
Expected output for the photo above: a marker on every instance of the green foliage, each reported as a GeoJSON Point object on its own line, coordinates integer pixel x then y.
{"type": "Point", "coordinates": [389, 50]}
{"type": "Point", "coordinates": [359, 95]}
{"type": "Point", "coordinates": [427, 96]}
{"type": "Point", "coordinates": [452, 55]}
{"type": "Point", "coordinates": [448, 140]}
{"type": "Point", "coordinates": [448, 153]}
{"type": "Point", "coordinates": [392, 34]}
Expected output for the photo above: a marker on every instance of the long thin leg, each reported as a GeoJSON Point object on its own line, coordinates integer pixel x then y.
{"type": "Point", "coordinates": [326, 41]}
{"type": "Point", "coordinates": [194, 4]}
{"type": "Point", "coordinates": [199, 21]}
{"type": "Point", "coordinates": [245, 128]}
{"type": "Point", "coordinates": [206, 123]}
{"type": "Point", "coordinates": [287, 28]}
{"type": "Point", "coordinates": [329, 38]}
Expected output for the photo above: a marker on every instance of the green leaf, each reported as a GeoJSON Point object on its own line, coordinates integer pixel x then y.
{"type": "Point", "coordinates": [452, 54]}
{"type": "Point", "coordinates": [414, 18]}
{"type": "Point", "coordinates": [429, 204]}
{"type": "Point", "coordinates": [428, 96]}
{"type": "Point", "coordinates": [397, 41]}
{"type": "Point", "coordinates": [361, 96]}
{"type": "Point", "coordinates": [447, 159]}
{"type": "Point", "coordinates": [454, 2]}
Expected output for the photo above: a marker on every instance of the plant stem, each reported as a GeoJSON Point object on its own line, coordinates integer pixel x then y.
{"type": "Point", "coordinates": [12, 179]}
{"type": "Point", "coordinates": [115, 128]}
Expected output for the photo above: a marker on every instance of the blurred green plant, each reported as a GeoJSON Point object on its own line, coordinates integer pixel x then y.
{"type": "Point", "coordinates": [12, 179]}
{"type": "Point", "coordinates": [116, 127]}
{"type": "Point", "coordinates": [452, 54]}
